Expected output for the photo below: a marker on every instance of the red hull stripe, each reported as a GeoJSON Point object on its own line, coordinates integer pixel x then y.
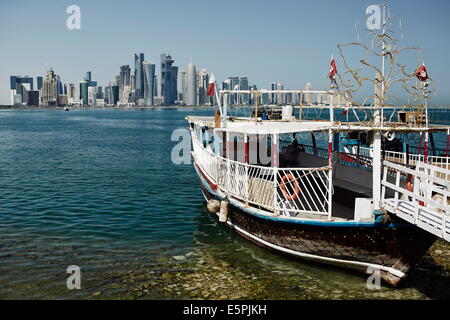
{"type": "Point", "coordinates": [211, 184]}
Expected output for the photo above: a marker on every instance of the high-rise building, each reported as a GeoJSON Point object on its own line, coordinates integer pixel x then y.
{"type": "Point", "coordinates": [19, 86]}
{"type": "Point", "coordinates": [59, 85]}
{"type": "Point", "coordinates": [202, 86]}
{"type": "Point", "coordinates": [226, 85]}
{"type": "Point", "coordinates": [174, 94]}
{"type": "Point", "coordinates": [307, 97]}
{"type": "Point", "coordinates": [243, 97]}
{"type": "Point", "coordinates": [112, 94]}
{"type": "Point", "coordinates": [234, 83]}
{"type": "Point", "coordinates": [191, 85]}
{"type": "Point", "coordinates": [124, 80]}
{"type": "Point", "coordinates": [155, 86]}
{"type": "Point", "coordinates": [33, 98]}
{"type": "Point", "coordinates": [72, 95]}
{"type": "Point", "coordinates": [50, 89]}
{"type": "Point", "coordinates": [92, 97]}
{"type": "Point", "coordinates": [167, 80]}
{"type": "Point", "coordinates": [139, 76]}
{"type": "Point", "coordinates": [149, 82]}
{"type": "Point", "coordinates": [163, 72]}
{"type": "Point", "coordinates": [98, 92]}
{"type": "Point", "coordinates": [39, 82]}
{"type": "Point", "coordinates": [88, 77]}
{"type": "Point", "coordinates": [281, 97]}
{"type": "Point", "coordinates": [182, 96]}
{"type": "Point", "coordinates": [84, 85]}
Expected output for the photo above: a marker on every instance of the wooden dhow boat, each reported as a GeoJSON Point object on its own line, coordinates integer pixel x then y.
{"type": "Point", "coordinates": [366, 208]}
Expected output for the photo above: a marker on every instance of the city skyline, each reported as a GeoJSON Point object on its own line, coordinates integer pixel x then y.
{"type": "Point", "coordinates": [283, 50]}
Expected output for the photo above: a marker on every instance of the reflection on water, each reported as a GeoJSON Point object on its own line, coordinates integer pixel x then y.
{"type": "Point", "coordinates": [96, 188]}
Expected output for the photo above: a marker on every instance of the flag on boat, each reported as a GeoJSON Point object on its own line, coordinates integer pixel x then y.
{"type": "Point", "coordinates": [333, 69]}
{"type": "Point", "coordinates": [211, 85]}
{"type": "Point", "coordinates": [421, 73]}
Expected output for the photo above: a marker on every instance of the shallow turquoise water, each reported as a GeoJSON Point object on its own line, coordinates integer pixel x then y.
{"type": "Point", "coordinates": [97, 188]}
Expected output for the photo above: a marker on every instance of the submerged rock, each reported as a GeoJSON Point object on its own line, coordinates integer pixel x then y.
{"type": "Point", "coordinates": [179, 258]}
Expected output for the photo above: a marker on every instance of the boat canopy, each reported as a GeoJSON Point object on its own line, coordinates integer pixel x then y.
{"type": "Point", "coordinates": [278, 127]}
{"type": "Point", "coordinates": [252, 126]}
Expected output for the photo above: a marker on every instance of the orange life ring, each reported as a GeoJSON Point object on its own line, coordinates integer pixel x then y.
{"type": "Point", "coordinates": [409, 183]}
{"type": "Point", "coordinates": [291, 178]}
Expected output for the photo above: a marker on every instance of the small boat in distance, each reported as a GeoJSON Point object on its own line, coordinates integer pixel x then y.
{"type": "Point", "coordinates": [66, 108]}
{"type": "Point", "coordinates": [348, 191]}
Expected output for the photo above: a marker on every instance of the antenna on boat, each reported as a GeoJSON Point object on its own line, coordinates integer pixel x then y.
{"type": "Point", "coordinates": [383, 45]}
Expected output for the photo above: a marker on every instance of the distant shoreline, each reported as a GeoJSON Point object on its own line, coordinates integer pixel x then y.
{"type": "Point", "coordinates": [9, 107]}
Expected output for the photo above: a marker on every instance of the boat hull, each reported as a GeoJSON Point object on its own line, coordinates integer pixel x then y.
{"type": "Point", "coordinates": [392, 249]}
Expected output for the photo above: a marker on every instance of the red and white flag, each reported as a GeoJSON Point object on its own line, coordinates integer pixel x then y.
{"type": "Point", "coordinates": [333, 69]}
{"type": "Point", "coordinates": [211, 85]}
{"type": "Point", "coordinates": [421, 73]}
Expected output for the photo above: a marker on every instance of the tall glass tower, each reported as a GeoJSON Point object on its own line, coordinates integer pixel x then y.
{"type": "Point", "coordinates": [168, 82]}
{"type": "Point", "coordinates": [149, 82]}
{"type": "Point", "coordinates": [139, 75]}
{"type": "Point", "coordinates": [243, 85]}
{"type": "Point", "coordinates": [191, 85]}
{"type": "Point", "coordinates": [124, 79]}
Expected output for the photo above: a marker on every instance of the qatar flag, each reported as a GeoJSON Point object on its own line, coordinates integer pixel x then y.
{"type": "Point", "coordinates": [211, 85]}
{"type": "Point", "coordinates": [333, 69]}
{"type": "Point", "coordinates": [421, 73]}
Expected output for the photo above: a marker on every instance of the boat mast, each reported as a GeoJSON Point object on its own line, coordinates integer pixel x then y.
{"type": "Point", "coordinates": [378, 122]}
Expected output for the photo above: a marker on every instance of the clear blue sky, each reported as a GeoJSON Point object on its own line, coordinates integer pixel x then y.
{"type": "Point", "coordinates": [288, 41]}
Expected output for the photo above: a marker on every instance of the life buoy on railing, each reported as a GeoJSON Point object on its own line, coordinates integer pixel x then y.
{"type": "Point", "coordinates": [289, 177]}
{"type": "Point", "coordinates": [409, 183]}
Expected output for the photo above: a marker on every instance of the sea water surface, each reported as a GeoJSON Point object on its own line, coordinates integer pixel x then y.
{"type": "Point", "coordinates": [96, 188]}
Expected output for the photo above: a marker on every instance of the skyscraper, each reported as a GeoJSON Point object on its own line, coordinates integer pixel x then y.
{"type": "Point", "coordinates": [169, 75]}
{"type": "Point", "coordinates": [167, 80]}
{"type": "Point", "coordinates": [18, 87]}
{"type": "Point", "coordinates": [281, 99]}
{"type": "Point", "coordinates": [155, 86]}
{"type": "Point", "coordinates": [191, 85]}
{"type": "Point", "coordinates": [174, 93]}
{"type": "Point", "coordinates": [71, 93]}
{"type": "Point", "coordinates": [139, 76]}
{"type": "Point", "coordinates": [273, 99]}
{"type": "Point", "coordinates": [149, 78]}
{"type": "Point", "coordinates": [243, 85]}
{"type": "Point", "coordinates": [163, 72]}
{"type": "Point", "coordinates": [308, 99]}
{"type": "Point", "coordinates": [226, 85]}
{"type": "Point", "coordinates": [124, 80]}
{"type": "Point", "coordinates": [50, 89]}
{"type": "Point", "coordinates": [84, 85]}
{"type": "Point", "coordinates": [39, 83]}
{"type": "Point", "coordinates": [88, 77]}
{"type": "Point", "coordinates": [202, 86]}
{"type": "Point", "coordinates": [234, 83]}
{"type": "Point", "coordinates": [183, 85]}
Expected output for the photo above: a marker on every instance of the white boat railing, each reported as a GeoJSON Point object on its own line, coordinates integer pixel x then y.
{"type": "Point", "coordinates": [419, 195]}
{"type": "Point", "coordinates": [284, 191]}
{"type": "Point", "coordinates": [365, 159]}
